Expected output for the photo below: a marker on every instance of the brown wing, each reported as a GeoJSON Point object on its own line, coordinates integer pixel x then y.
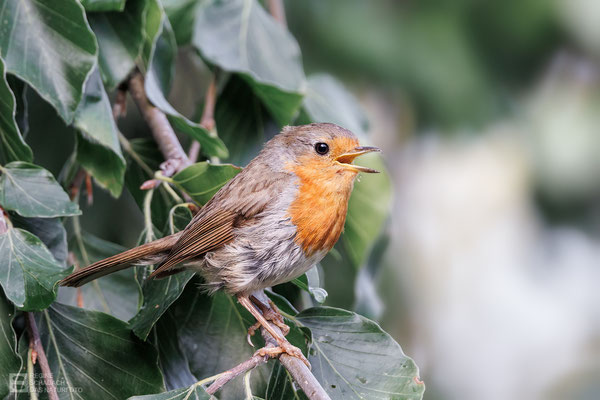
{"type": "Point", "coordinates": [238, 202]}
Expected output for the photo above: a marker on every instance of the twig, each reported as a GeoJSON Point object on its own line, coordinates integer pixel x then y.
{"type": "Point", "coordinates": [278, 11]}
{"type": "Point", "coordinates": [236, 371]}
{"type": "Point", "coordinates": [75, 185]}
{"type": "Point", "coordinates": [120, 106]}
{"type": "Point", "coordinates": [163, 133]}
{"type": "Point", "coordinates": [41, 356]}
{"type": "Point", "coordinates": [208, 116]}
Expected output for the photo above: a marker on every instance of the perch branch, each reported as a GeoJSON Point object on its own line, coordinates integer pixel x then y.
{"type": "Point", "coordinates": [208, 116]}
{"type": "Point", "coordinates": [236, 371]}
{"type": "Point", "coordinates": [161, 129]}
{"type": "Point", "coordinates": [34, 335]}
{"type": "Point", "coordinates": [278, 11]}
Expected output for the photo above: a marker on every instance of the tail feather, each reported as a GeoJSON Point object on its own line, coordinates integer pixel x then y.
{"type": "Point", "coordinates": [149, 253]}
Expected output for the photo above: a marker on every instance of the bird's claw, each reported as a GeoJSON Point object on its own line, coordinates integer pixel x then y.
{"type": "Point", "coordinates": [284, 347]}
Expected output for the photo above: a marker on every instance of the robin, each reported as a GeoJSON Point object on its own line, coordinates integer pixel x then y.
{"type": "Point", "coordinates": [268, 225]}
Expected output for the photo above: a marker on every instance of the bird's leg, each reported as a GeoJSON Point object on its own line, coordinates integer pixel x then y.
{"type": "Point", "coordinates": [271, 313]}
{"type": "Point", "coordinates": [283, 345]}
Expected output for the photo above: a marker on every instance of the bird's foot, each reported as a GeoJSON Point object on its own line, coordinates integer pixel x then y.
{"type": "Point", "coordinates": [283, 347]}
{"type": "Point", "coordinates": [272, 314]}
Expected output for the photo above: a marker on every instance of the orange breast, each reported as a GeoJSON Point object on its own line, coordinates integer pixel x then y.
{"type": "Point", "coordinates": [319, 210]}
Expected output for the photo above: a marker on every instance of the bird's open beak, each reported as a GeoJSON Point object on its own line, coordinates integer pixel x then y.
{"type": "Point", "coordinates": [347, 158]}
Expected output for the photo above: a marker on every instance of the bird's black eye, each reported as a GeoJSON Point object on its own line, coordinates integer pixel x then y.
{"type": "Point", "coordinates": [321, 148]}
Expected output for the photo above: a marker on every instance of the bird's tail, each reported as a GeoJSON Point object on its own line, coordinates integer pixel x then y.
{"type": "Point", "coordinates": [149, 253]}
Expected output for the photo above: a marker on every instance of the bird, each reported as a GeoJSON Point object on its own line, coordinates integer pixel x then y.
{"type": "Point", "coordinates": [268, 225]}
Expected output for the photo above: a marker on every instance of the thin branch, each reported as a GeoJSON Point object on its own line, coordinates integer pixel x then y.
{"type": "Point", "coordinates": [163, 133]}
{"type": "Point", "coordinates": [120, 106]}
{"type": "Point", "coordinates": [75, 185]}
{"type": "Point", "coordinates": [278, 11]}
{"type": "Point", "coordinates": [236, 371]}
{"type": "Point", "coordinates": [34, 335]}
{"type": "Point", "coordinates": [208, 116]}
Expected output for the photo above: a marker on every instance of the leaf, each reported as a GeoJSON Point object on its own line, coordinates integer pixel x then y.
{"type": "Point", "coordinates": [173, 362]}
{"type": "Point", "coordinates": [352, 357]}
{"type": "Point", "coordinates": [94, 354]}
{"type": "Point", "coordinates": [157, 85]}
{"type": "Point", "coordinates": [103, 5]}
{"type": "Point", "coordinates": [32, 191]}
{"type": "Point", "coordinates": [28, 272]}
{"type": "Point", "coordinates": [12, 145]}
{"type": "Point", "coordinates": [154, 19]}
{"type": "Point", "coordinates": [50, 48]}
{"type": "Point", "coordinates": [49, 230]}
{"type": "Point", "coordinates": [239, 36]}
{"type": "Point", "coordinates": [202, 180]}
{"type": "Point", "coordinates": [159, 294]}
{"type": "Point", "coordinates": [10, 361]}
{"type": "Point", "coordinates": [115, 294]}
{"type": "Point", "coordinates": [120, 40]}
{"type": "Point", "coordinates": [310, 282]}
{"type": "Point", "coordinates": [182, 14]}
{"type": "Point", "coordinates": [212, 333]}
{"type": "Point", "coordinates": [281, 385]}
{"type": "Point", "coordinates": [242, 120]}
{"type": "Point", "coordinates": [98, 149]}
{"type": "Point", "coordinates": [193, 392]}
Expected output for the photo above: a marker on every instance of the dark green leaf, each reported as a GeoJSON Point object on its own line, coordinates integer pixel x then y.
{"type": "Point", "coordinates": [154, 17]}
{"type": "Point", "coordinates": [242, 120]}
{"type": "Point", "coordinates": [202, 180]}
{"type": "Point", "coordinates": [28, 272]}
{"type": "Point", "coordinates": [182, 14]}
{"type": "Point", "coordinates": [157, 86]}
{"type": "Point", "coordinates": [115, 294]}
{"type": "Point", "coordinates": [50, 47]}
{"type": "Point", "coordinates": [120, 40]}
{"type": "Point", "coordinates": [49, 230]}
{"type": "Point", "coordinates": [190, 393]}
{"type": "Point", "coordinates": [10, 361]}
{"type": "Point", "coordinates": [159, 294]}
{"type": "Point", "coordinates": [98, 149]}
{"type": "Point", "coordinates": [354, 358]}
{"type": "Point", "coordinates": [240, 37]}
{"type": "Point", "coordinates": [32, 191]}
{"type": "Point", "coordinates": [94, 355]}
{"type": "Point", "coordinates": [173, 362]}
{"type": "Point", "coordinates": [103, 5]}
{"type": "Point", "coordinates": [212, 333]}
{"type": "Point", "coordinates": [12, 145]}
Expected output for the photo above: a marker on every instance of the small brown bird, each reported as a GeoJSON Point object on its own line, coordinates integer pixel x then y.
{"type": "Point", "coordinates": [268, 225]}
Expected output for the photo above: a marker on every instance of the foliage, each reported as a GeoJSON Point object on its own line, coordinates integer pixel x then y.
{"type": "Point", "coordinates": [121, 336]}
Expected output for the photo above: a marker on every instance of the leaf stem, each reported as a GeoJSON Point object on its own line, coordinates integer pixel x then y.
{"type": "Point", "coordinates": [30, 375]}
{"type": "Point", "coordinates": [148, 216]}
{"type": "Point", "coordinates": [34, 335]}
{"type": "Point", "coordinates": [133, 154]}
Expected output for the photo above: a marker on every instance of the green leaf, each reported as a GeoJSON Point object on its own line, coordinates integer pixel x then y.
{"type": "Point", "coordinates": [12, 145]}
{"type": "Point", "coordinates": [354, 358]}
{"type": "Point", "coordinates": [157, 85]}
{"type": "Point", "coordinates": [49, 230]}
{"type": "Point", "coordinates": [10, 361]}
{"type": "Point", "coordinates": [281, 385]}
{"type": "Point", "coordinates": [154, 17]}
{"type": "Point", "coordinates": [193, 392]}
{"type": "Point", "coordinates": [242, 120]}
{"type": "Point", "coordinates": [212, 333]}
{"type": "Point", "coordinates": [28, 272]}
{"type": "Point", "coordinates": [32, 191]}
{"type": "Point", "coordinates": [239, 36]}
{"type": "Point", "coordinates": [115, 294]}
{"type": "Point", "coordinates": [50, 48]}
{"type": "Point", "coordinates": [159, 294]}
{"type": "Point", "coordinates": [182, 14]}
{"type": "Point", "coordinates": [120, 40]}
{"type": "Point", "coordinates": [328, 101]}
{"type": "Point", "coordinates": [98, 149]}
{"type": "Point", "coordinates": [95, 356]}
{"type": "Point", "coordinates": [103, 5]}
{"type": "Point", "coordinates": [202, 180]}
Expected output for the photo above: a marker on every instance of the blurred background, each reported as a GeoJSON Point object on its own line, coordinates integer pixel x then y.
{"type": "Point", "coordinates": [488, 112]}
